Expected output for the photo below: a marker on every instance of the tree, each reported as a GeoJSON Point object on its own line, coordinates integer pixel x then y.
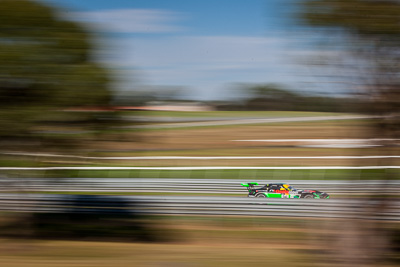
{"type": "Point", "coordinates": [277, 97]}
{"type": "Point", "coordinates": [367, 35]}
{"type": "Point", "coordinates": [271, 97]}
{"type": "Point", "coordinates": [46, 67]}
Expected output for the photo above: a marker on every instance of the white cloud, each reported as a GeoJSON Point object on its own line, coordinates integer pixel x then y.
{"type": "Point", "coordinates": [132, 20]}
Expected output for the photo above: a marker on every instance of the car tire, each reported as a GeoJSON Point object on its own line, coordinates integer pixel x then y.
{"type": "Point", "coordinates": [308, 196]}
{"type": "Point", "coordinates": [260, 195]}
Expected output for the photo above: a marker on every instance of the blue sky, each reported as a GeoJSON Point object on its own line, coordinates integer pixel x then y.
{"type": "Point", "coordinates": [206, 47]}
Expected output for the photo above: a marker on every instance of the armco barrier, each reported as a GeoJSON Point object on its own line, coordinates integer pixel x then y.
{"type": "Point", "coordinates": [221, 206]}
{"type": "Point", "coordinates": [192, 186]}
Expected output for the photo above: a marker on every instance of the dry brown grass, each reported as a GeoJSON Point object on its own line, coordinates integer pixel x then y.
{"type": "Point", "coordinates": [218, 141]}
{"type": "Point", "coordinates": [221, 137]}
{"type": "Point", "coordinates": [201, 241]}
{"type": "Point", "coordinates": [60, 253]}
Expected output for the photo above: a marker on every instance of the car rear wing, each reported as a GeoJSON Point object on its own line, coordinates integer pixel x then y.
{"type": "Point", "coordinates": [249, 185]}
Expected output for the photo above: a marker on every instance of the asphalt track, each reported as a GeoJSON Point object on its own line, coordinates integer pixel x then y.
{"type": "Point", "coordinates": [159, 200]}
{"type": "Point", "coordinates": [190, 186]}
{"type": "Point", "coordinates": [248, 121]}
{"type": "Point", "coordinates": [209, 206]}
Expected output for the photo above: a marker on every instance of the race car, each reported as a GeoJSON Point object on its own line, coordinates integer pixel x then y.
{"type": "Point", "coordinates": [278, 190]}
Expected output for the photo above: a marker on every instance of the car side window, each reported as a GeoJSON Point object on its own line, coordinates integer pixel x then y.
{"type": "Point", "coordinates": [274, 187]}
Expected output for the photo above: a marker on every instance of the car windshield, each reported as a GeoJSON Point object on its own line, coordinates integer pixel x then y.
{"type": "Point", "coordinates": [289, 187]}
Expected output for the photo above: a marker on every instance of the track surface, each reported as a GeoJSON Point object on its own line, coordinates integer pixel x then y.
{"type": "Point", "coordinates": [220, 206]}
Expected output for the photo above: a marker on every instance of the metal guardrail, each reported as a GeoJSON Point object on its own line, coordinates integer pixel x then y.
{"type": "Point", "coordinates": [236, 206]}
{"type": "Point", "coordinates": [192, 186]}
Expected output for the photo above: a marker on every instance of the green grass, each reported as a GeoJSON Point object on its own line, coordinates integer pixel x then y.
{"type": "Point", "coordinates": [240, 175]}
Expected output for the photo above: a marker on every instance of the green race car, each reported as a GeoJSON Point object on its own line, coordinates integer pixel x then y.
{"type": "Point", "coordinates": [280, 190]}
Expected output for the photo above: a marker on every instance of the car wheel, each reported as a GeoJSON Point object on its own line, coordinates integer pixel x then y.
{"type": "Point", "coordinates": [260, 195]}
{"type": "Point", "coordinates": [308, 196]}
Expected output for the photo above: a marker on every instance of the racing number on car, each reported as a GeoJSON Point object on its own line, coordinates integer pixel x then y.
{"type": "Point", "coordinates": [284, 193]}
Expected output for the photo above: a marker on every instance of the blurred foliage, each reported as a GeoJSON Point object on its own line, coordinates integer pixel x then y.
{"type": "Point", "coordinates": [316, 174]}
{"type": "Point", "coordinates": [365, 38]}
{"type": "Point", "coordinates": [369, 32]}
{"type": "Point", "coordinates": [365, 18]}
{"type": "Point", "coordinates": [148, 94]}
{"type": "Point", "coordinates": [275, 97]}
{"type": "Point", "coordinates": [45, 68]}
